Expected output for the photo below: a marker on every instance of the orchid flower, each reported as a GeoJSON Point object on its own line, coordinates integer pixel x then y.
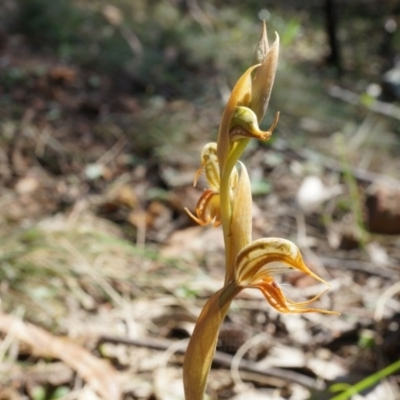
{"type": "Point", "coordinates": [208, 206]}
{"type": "Point", "coordinates": [228, 201]}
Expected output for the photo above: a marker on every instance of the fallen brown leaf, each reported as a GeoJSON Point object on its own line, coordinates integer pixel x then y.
{"type": "Point", "coordinates": [100, 375]}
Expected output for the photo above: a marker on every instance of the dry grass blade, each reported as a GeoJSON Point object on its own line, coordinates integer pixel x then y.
{"type": "Point", "coordinates": [100, 375]}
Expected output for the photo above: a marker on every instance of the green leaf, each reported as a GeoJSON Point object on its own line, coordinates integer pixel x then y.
{"type": "Point", "coordinates": [368, 382]}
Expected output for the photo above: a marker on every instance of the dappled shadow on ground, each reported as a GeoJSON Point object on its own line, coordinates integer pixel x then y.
{"type": "Point", "coordinates": [99, 256]}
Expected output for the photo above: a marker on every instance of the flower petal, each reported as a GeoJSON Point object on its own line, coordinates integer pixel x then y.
{"type": "Point", "coordinates": [276, 298]}
{"type": "Point", "coordinates": [254, 261]}
{"type": "Point", "coordinates": [240, 96]}
{"type": "Point", "coordinates": [207, 209]}
{"type": "Point", "coordinates": [244, 125]}
{"type": "Point", "coordinates": [263, 81]}
{"type": "Point", "coordinates": [209, 163]}
{"type": "Point", "coordinates": [262, 46]}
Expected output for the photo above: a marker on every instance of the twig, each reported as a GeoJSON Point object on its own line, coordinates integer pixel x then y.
{"type": "Point", "coordinates": [199, 16]}
{"type": "Point", "coordinates": [358, 265]}
{"type": "Point", "coordinates": [110, 155]}
{"type": "Point", "coordinates": [331, 164]}
{"type": "Point", "coordinates": [380, 107]}
{"type": "Point", "coordinates": [133, 41]}
{"type": "Point", "coordinates": [223, 359]}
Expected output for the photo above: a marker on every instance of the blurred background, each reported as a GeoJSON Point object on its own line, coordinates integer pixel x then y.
{"type": "Point", "coordinates": [104, 109]}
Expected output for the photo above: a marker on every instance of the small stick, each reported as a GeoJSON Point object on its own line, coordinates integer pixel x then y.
{"type": "Point", "coordinates": [223, 359]}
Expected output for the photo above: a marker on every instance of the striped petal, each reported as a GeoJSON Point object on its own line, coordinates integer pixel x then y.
{"type": "Point", "coordinates": [259, 259]}
{"type": "Point", "coordinates": [258, 263]}
{"type": "Point", "coordinates": [207, 209]}
{"type": "Point", "coordinates": [244, 125]}
{"type": "Point", "coordinates": [209, 163]}
{"type": "Point", "coordinates": [277, 299]}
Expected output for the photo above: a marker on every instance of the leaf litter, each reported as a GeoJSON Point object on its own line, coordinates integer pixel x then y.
{"type": "Point", "coordinates": [103, 274]}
